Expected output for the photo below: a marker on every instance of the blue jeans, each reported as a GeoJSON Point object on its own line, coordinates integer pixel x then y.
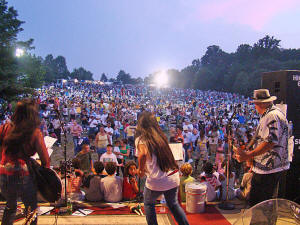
{"type": "Point", "coordinates": [75, 141]}
{"type": "Point", "coordinates": [93, 130]}
{"type": "Point", "coordinates": [186, 148]}
{"type": "Point", "coordinates": [172, 202]}
{"type": "Point", "coordinates": [13, 187]}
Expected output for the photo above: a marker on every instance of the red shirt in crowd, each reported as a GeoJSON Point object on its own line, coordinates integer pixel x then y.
{"type": "Point", "coordinates": [128, 192]}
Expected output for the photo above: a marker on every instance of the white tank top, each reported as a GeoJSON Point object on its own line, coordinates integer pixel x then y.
{"type": "Point", "coordinates": [157, 180]}
{"type": "Point", "coordinates": [102, 141]}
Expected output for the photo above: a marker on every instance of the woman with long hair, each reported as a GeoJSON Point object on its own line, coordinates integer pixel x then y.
{"type": "Point", "coordinates": [157, 162]}
{"type": "Point", "coordinates": [20, 139]}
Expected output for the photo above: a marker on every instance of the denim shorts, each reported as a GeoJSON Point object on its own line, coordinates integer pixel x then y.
{"type": "Point", "coordinates": [101, 150]}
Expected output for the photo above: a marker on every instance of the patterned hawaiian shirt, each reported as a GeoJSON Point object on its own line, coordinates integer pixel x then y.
{"type": "Point", "coordinates": [272, 128]}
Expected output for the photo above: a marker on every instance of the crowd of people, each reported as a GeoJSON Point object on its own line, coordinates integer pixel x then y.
{"type": "Point", "coordinates": [104, 120]}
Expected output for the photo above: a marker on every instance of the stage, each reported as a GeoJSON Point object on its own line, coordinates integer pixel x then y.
{"type": "Point", "coordinates": [115, 213]}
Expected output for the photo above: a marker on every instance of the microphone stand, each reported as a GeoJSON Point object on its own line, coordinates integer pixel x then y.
{"type": "Point", "coordinates": [225, 205]}
{"type": "Point", "coordinates": [65, 153]}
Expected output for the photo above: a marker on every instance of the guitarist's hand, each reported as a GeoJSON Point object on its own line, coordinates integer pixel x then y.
{"type": "Point", "coordinates": [240, 154]}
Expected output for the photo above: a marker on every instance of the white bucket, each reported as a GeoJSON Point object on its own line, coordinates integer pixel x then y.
{"type": "Point", "coordinates": [195, 197]}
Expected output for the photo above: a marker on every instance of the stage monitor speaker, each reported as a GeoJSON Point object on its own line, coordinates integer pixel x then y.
{"type": "Point", "coordinates": [285, 85]}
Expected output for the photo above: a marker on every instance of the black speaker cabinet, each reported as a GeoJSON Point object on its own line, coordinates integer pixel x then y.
{"type": "Point", "coordinates": [285, 85]}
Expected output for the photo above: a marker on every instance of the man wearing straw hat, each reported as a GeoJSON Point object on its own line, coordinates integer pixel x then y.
{"type": "Point", "coordinates": [270, 148]}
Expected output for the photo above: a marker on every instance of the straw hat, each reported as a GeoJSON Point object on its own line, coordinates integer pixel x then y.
{"type": "Point", "coordinates": [262, 95]}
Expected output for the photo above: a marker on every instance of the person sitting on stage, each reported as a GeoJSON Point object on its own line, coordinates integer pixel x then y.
{"type": "Point", "coordinates": [223, 180]}
{"type": "Point", "coordinates": [130, 186]}
{"type": "Point", "coordinates": [186, 169]}
{"type": "Point", "coordinates": [93, 191]}
{"type": "Point", "coordinates": [75, 182]}
{"type": "Point", "coordinates": [112, 184]}
{"type": "Point", "coordinates": [244, 191]}
{"type": "Point", "coordinates": [209, 176]}
{"type": "Point", "coordinates": [211, 194]}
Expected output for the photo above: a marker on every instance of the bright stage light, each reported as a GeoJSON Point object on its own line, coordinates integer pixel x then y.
{"type": "Point", "coordinates": [19, 52]}
{"type": "Point", "coordinates": [161, 79]}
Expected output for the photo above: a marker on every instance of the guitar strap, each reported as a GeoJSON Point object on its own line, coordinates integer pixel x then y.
{"type": "Point", "coordinates": [3, 133]}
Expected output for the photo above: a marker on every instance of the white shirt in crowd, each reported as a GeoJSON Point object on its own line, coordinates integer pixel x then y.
{"type": "Point", "coordinates": [194, 137]}
{"type": "Point", "coordinates": [103, 119]}
{"type": "Point", "coordinates": [105, 158]}
{"type": "Point", "coordinates": [109, 130]}
{"type": "Point", "coordinates": [56, 123]}
{"type": "Point", "coordinates": [93, 123]}
{"type": "Point", "coordinates": [117, 150]}
{"type": "Point", "coordinates": [213, 137]}
{"type": "Point", "coordinates": [111, 187]}
{"type": "Point", "coordinates": [187, 137]}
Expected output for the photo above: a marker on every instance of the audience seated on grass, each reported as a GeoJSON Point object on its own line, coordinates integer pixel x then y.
{"type": "Point", "coordinates": [119, 156]}
{"type": "Point", "coordinates": [130, 186]}
{"type": "Point", "coordinates": [108, 156]}
{"type": "Point", "coordinates": [186, 170]}
{"type": "Point", "coordinates": [91, 186]}
{"type": "Point", "coordinates": [112, 184]}
{"type": "Point", "coordinates": [85, 159]}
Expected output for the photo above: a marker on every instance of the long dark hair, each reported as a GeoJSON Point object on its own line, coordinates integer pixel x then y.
{"type": "Point", "coordinates": [24, 121]}
{"type": "Point", "coordinates": [156, 141]}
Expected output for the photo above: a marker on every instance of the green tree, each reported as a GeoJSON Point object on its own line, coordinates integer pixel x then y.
{"type": "Point", "coordinates": [266, 47]}
{"type": "Point", "coordinates": [212, 55]}
{"type": "Point", "coordinates": [104, 78]}
{"type": "Point", "coordinates": [31, 71]}
{"type": "Point", "coordinates": [56, 68]}
{"type": "Point", "coordinates": [81, 74]}
{"type": "Point", "coordinates": [243, 53]}
{"type": "Point", "coordinates": [125, 78]}
{"type": "Point", "coordinates": [10, 26]}
{"type": "Point", "coordinates": [138, 80]}
{"type": "Point", "coordinates": [204, 79]}
{"type": "Point", "coordinates": [240, 84]}
{"type": "Point", "coordinates": [48, 63]}
{"type": "Point", "coordinates": [61, 68]}
{"type": "Point", "coordinates": [174, 77]}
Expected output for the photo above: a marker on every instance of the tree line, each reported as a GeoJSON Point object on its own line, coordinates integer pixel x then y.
{"type": "Point", "coordinates": [238, 72]}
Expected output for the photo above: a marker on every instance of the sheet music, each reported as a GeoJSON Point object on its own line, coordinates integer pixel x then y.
{"type": "Point", "coordinates": [49, 141]}
{"type": "Point", "coordinates": [177, 151]}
